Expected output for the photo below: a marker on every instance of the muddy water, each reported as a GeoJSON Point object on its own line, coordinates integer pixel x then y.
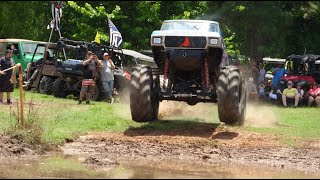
{"type": "Point", "coordinates": [71, 167]}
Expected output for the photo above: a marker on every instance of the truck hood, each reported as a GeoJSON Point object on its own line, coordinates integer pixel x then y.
{"type": "Point", "coordinates": [184, 33]}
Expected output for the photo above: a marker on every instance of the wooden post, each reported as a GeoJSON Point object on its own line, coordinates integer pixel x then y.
{"type": "Point", "coordinates": [21, 96]}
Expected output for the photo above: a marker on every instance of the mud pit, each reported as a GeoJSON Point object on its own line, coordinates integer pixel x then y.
{"type": "Point", "coordinates": [199, 148]}
{"type": "Point", "coordinates": [203, 144]}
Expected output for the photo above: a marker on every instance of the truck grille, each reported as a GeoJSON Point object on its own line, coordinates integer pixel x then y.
{"type": "Point", "coordinates": [185, 41]}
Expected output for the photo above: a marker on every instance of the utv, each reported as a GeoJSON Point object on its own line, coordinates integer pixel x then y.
{"type": "Point", "coordinates": [62, 76]}
{"type": "Point", "coordinates": [193, 65]}
{"type": "Point", "coordinates": [300, 69]}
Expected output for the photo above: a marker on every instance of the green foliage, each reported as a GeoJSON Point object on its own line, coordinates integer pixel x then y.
{"type": "Point", "coordinates": [251, 28]}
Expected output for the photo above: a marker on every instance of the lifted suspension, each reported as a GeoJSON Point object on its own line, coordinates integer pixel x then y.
{"type": "Point", "coordinates": [165, 72]}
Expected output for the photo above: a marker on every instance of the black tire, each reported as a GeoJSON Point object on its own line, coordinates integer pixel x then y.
{"type": "Point", "coordinates": [231, 96]}
{"type": "Point", "coordinates": [143, 103]}
{"type": "Point", "coordinates": [45, 85]}
{"type": "Point", "coordinates": [59, 88]}
{"type": "Point", "coordinates": [155, 100]}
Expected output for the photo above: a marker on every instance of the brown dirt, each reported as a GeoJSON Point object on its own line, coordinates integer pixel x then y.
{"type": "Point", "coordinates": [203, 144]}
{"type": "Point", "coordinates": [107, 149]}
{"type": "Point", "coordinates": [14, 147]}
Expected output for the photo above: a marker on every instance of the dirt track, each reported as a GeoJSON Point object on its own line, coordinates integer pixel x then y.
{"type": "Point", "coordinates": [203, 143]}
{"type": "Point", "coordinates": [107, 149]}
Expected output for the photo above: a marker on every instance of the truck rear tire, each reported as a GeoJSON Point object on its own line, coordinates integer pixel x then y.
{"type": "Point", "coordinates": [231, 96]}
{"type": "Point", "coordinates": [45, 85]}
{"type": "Point", "coordinates": [59, 88]}
{"type": "Point", "coordinates": [143, 104]}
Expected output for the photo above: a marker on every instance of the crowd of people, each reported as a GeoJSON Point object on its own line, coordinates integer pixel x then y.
{"type": "Point", "coordinates": [293, 94]}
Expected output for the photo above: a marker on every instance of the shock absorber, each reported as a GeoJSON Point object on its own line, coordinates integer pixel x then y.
{"type": "Point", "coordinates": [165, 72]}
{"type": "Point", "coordinates": [206, 73]}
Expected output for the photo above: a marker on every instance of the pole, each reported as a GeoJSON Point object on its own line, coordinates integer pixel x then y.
{"type": "Point", "coordinates": [21, 96]}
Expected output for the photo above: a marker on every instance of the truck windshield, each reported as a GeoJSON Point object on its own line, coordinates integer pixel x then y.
{"type": "Point", "coordinates": [29, 48]}
{"type": "Point", "coordinates": [194, 26]}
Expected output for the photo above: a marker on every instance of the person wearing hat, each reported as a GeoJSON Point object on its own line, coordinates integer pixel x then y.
{"type": "Point", "coordinates": [290, 93]}
{"type": "Point", "coordinates": [314, 95]}
{"type": "Point", "coordinates": [107, 76]}
{"type": "Point", "coordinates": [89, 75]}
{"type": "Point", "coordinates": [5, 84]}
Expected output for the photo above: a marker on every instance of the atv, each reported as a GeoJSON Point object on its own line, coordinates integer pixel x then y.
{"type": "Point", "coordinates": [192, 66]}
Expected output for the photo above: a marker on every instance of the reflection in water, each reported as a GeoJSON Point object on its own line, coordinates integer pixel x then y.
{"type": "Point", "coordinates": [70, 167]}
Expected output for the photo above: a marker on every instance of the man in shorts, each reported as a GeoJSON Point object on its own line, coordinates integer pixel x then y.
{"type": "Point", "coordinates": [90, 66]}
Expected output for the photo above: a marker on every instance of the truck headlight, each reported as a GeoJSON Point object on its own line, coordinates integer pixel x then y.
{"type": "Point", "coordinates": [213, 41]}
{"type": "Point", "coordinates": [157, 40]}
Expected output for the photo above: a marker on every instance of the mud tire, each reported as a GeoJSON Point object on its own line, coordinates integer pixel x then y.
{"type": "Point", "coordinates": [231, 96]}
{"type": "Point", "coordinates": [143, 102]}
{"type": "Point", "coordinates": [45, 85]}
{"type": "Point", "coordinates": [59, 88]}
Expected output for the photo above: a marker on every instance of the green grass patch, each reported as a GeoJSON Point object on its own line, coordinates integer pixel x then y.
{"type": "Point", "coordinates": [64, 118]}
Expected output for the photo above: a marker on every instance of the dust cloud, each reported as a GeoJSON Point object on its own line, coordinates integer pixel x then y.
{"type": "Point", "coordinates": [201, 111]}
{"type": "Point", "coordinates": [259, 115]}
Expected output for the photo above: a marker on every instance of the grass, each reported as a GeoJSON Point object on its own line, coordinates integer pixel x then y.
{"type": "Point", "coordinates": [294, 123]}
{"type": "Point", "coordinates": [64, 118]}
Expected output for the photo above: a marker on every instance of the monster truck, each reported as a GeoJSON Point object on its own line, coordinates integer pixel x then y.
{"type": "Point", "coordinates": [192, 66]}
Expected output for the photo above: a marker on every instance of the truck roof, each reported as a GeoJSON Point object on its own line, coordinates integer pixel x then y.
{"type": "Point", "coordinates": [135, 54]}
{"type": "Point", "coordinates": [16, 40]}
{"type": "Point", "coordinates": [191, 20]}
{"type": "Point", "coordinates": [276, 60]}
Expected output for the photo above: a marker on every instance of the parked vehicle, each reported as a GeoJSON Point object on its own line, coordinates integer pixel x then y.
{"type": "Point", "coordinates": [23, 50]}
{"type": "Point", "coordinates": [300, 69]}
{"type": "Point", "coordinates": [63, 76]}
{"type": "Point", "coordinates": [269, 64]}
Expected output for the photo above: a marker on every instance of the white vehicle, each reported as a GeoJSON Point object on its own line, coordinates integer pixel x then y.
{"type": "Point", "coordinates": [191, 57]}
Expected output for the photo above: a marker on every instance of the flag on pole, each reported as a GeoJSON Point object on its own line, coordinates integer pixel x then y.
{"type": "Point", "coordinates": [115, 35]}
{"type": "Point", "coordinates": [52, 22]}
{"type": "Point", "coordinates": [97, 38]}
{"type": "Point", "coordinates": [58, 14]}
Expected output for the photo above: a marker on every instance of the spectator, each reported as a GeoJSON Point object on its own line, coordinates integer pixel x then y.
{"type": "Point", "coordinates": [277, 73]}
{"type": "Point", "coordinates": [276, 95]}
{"type": "Point", "coordinates": [300, 91]}
{"type": "Point", "coordinates": [314, 95]}
{"type": "Point", "coordinates": [90, 66]}
{"type": "Point", "coordinates": [290, 93]}
{"type": "Point", "coordinates": [254, 72]}
{"type": "Point", "coordinates": [262, 93]}
{"type": "Point", "coordinates": [262, 73]}
{"type": "Point", "coordinates": [5, 84]}
{"type": "Point", "coordinates": [106, 74]}
{"type": "Point", "coordinates": [252, 90]}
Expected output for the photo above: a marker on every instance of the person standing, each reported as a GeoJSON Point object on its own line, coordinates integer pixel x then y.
{"type": "Point", "coordinates": [254, 72]}
{"type": "Point", "coordinates": [90, 66]}
{"type": "Point", "coordinates": [107, 76]}
{"type": "Point", "coordinates": [277, 73]}
{"type": "Point", "coordinates": [262, 73]}
{"type": "Point", "coordinates": [5, 84]}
